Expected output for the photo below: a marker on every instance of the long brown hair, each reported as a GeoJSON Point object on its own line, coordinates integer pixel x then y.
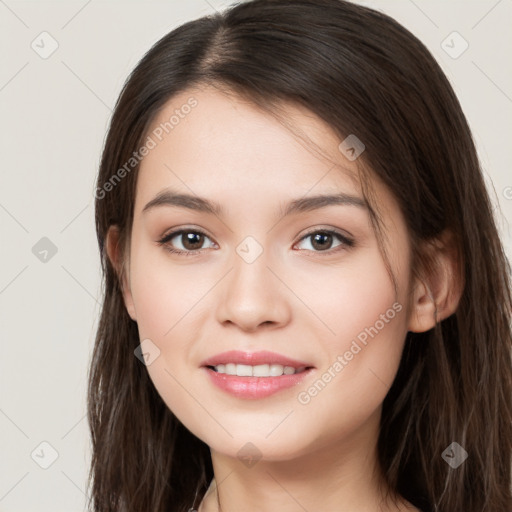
{"type": "Point", "coordinates": [362, 73]}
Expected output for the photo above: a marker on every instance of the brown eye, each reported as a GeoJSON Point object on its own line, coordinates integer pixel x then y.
{"type": "Point", "coordinates": [322, 241]}
{"type": "Point", "coordinates": [192, 240]}
{"type": "Point", "coordinates": [184, 241]}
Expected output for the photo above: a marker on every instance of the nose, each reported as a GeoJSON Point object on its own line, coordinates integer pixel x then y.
{"type": "Point", "coordinates": [252, 296]}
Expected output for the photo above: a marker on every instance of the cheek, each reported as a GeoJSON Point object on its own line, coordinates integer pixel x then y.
{"type": "Point", "coordinates": [362, 339]}
{"type": "Point", "coordinates": [346, 298]}
{"type": "Point", "coordinates": [349, 314]}
{"type": "Point", "coordinates": [350, 389]}
{"type": "Point", "coordinates": [165, 294]}
{"type": "Point", "coordinates": [169, 299]}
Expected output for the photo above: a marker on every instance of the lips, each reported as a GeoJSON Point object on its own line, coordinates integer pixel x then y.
{"type": "Point", "coordinates": [254, 359]}
{"type": "Point", "coordinates": [255, 386]}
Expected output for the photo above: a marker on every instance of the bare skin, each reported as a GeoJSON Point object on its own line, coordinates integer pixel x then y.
{"type": "Point", "coordinates": [296, 298]}
{"type": "Point", "coordinates": [210, 503]}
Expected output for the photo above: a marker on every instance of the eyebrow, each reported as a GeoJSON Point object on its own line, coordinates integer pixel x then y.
{"type": "Point", "coordinates": [169, 197]}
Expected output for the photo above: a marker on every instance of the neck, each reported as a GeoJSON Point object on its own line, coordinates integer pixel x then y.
{"type": "Point", "coordinates": [344, 478]}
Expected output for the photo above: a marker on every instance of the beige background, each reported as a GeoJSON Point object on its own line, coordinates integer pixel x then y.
{"type": "Point", "coordinates": [54, 116]}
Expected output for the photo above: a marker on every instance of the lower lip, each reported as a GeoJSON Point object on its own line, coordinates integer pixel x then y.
{"type": "Point", "coordinates": [255, 387]}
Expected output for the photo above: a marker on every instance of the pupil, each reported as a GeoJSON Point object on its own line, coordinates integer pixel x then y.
{"type": "Point", "coordinates": [320, 236]}
{"type": "Point", "coordinates": [189, 239]}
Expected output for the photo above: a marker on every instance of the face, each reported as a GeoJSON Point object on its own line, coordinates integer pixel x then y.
{"type": "Point", "coordinates": [256, 274]}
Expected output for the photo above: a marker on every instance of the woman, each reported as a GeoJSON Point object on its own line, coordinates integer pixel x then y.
{"type": "Point", "coordinates": [307, 304]}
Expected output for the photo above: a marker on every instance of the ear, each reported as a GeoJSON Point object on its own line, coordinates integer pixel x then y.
{"type": "Point", "coordinates": [116, 257]}
{"type": "Point", "coordinates": [436, 295]}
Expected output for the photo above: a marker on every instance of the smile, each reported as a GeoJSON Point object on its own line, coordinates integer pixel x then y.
{"type": "Point", "coordinates": [261, 370]}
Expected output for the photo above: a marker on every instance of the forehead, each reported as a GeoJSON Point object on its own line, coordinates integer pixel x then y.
{"type": "Point", "coordinates": [224, 147]}
{"type": "Point", "coordinates": [224, 141]}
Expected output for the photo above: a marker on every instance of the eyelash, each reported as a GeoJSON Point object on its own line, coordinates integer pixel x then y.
{"type": "Point", "coordinates": [346, 243]}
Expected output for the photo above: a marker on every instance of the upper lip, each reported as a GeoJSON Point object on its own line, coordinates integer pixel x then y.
{"type": "Point", "coordinates": [253, 359]}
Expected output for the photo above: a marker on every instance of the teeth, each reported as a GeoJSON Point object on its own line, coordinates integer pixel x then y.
{"type": "Point", "coordinates": [244, 370]}
{"type": "Point", "coordinates": [230, 369]}
{"type": "Point", "coordinates": [262, 370]}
